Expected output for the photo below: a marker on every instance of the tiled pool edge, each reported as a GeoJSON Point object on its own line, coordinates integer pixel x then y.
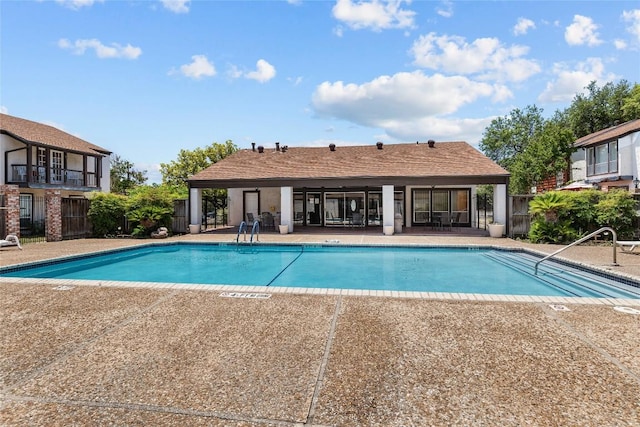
{"type": "Point", "coordinates": [331, 291]}
{"type": "Point", "coordinates": [325, 291]}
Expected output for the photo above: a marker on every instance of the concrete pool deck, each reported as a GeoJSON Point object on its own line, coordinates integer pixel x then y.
{"type": "Point", "coordinates": [93, 355]}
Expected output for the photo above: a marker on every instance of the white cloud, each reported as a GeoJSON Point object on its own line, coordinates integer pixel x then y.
{"type": "Point", "coordinates": [620, 44]}
{"type": "Point", "coordinates": [485, 57]}
{"type": "Point", "coordinates": [295, 80]}
{"type": "Point", "coordinates": [198, 68]}
{"type": "Point", "coordinates": [439, 129]}
{"type": "Point", "coordinates": [176, 6]}
{"type": "Point", "coordinates": [234, 72]}
{"type": "Point", "coordinates": [376, 14]}
{"type": "Point", "coordinates": [582, 31]}
{"type": "Point", "coordinates": [77, 4]}
{"type": "Point", "coordinates": [102, 51]}
{"type": "Point", "coordinates": [523, 26]}
{"type": "Point", "coordinates": [4, 110]}
{"type": "Point", "coordinates": [633, 17]}
{"type": "Point", "coordinates": [402, 97]}
{"type": "Point", "coordinates": [569, 82]}
{"type": "Point", "coordinates": [264, 72]}
{"type": "Point", "coordinates": [446, 10]}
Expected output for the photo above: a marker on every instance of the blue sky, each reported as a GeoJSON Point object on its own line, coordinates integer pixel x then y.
{"type": "Point", "coordinates": [145, 79]}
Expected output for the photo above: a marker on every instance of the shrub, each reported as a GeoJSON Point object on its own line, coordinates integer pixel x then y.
{"type": "Point", "coordinates": [617, 209]}
{"type": "Point", "coordinates": [106, 213]}
{"type": "Point", "coordinates": [149, 208]}
{"type": "Point", "coordinates": [550, 206]}
{"type": "Point", "coordinates": [552, 232]}
{"type": "Point", "coordinates": [561, 217]}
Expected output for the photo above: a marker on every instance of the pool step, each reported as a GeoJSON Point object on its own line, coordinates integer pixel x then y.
{"type": "Point", "coordinates": [572, 280]}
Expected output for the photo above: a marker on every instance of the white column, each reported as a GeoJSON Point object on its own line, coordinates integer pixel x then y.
{"type": "Point", "coordinates": [500, 204]}
{"type": "Point", "coordinates": [387, 209]}
{"type": "Point", "coordinates": [286, 207]}
{"type": "Point", "coordinates": [195, 206]}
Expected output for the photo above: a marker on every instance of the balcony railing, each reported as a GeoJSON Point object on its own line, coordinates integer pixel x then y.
{"type": "Point", "coordinates": [57, 176]}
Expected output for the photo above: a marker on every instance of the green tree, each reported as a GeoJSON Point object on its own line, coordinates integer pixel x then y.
{"type": "Point", "coordinates": [599, 108]}
{"type": "Point", "coordinates": [507, 137]}
{"type": "Point", "coordinates": [190, 162]}
{"type": "Point", "coordinates": [631, 104]}
{"type": "Point", "coordinates": [124, 176]}
{"type": "Point", "coordinates": [547, 154]}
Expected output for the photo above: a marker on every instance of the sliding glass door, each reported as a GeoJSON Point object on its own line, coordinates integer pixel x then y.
{"type": "Point", "coordinates": [441, 205]}
{"type": "Point", "coordinates": [344, 208]}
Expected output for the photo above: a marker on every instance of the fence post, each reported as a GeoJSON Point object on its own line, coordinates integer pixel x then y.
{"type": "Point", "coordinates": [53, 212]}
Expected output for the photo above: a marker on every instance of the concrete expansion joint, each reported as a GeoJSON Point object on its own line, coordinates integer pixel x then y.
{"type": "Point", "coordinates": [85, 344]}
{"type": "Point", "coordinates": [150, 408]}
{"type": "Point", "coordinates": [325, 361]}
{"type": "Point", "coordinates": [588, 342]}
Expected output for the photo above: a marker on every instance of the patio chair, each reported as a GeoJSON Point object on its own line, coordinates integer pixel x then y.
{"type": "Point", "coordinates": [267, 221]}
{"type": "Point", "coordinates": [250, 218]}
{"type": "Point", "coordinates": [629, 246]}
{"type": "Point", "coordinates": [356, 220]}
{"type": "Point", "coordinates": [9, 241]}
{"type": "Point", "coordinates": [449, 220]}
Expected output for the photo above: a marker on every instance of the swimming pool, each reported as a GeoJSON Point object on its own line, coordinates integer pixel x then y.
{"type": "Point", "coordinates": [420, 269]}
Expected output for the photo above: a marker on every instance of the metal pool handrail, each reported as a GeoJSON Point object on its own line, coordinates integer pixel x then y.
{"type": "Point", "coordinates": [587, 237]}
{"type": "Point", "coordinates": [243, 226]}
{"type": "Point", "coordinates": [255, 230]}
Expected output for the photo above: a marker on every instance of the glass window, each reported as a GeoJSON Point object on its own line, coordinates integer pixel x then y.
{"type": "Point", "coordinates": [613, 157]}
{"type": "Point", "coordinates": [602, 159]}
{"type": "Point", "coordinates": [460, 206]}
{"type": "Point", "coordinates": [374, 212]}
{"type": "Point", "coordinates": [314, 212]}
{"type": "Point", "coordinates": [421, 206]}
{"type": "Point", "coordinates": [298, 208]}
{"type": "Point", "coordinates": [56, 166]}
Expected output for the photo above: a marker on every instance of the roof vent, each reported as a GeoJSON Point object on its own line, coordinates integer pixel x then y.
{"type": "Point", "coordinates": [277, 146]}
{"type": "Point", "coordinates": [253, 146]}
{"type": "Point", "coordinates": [260, 149]}
{"type": "Point", "coordinates": [379, 145]}
{"type": "Point", "coordinates": [332, 147]}
{"type": "Point", "coordinates": [431, 143]}
{"type": "Point", "coordinates": [284, 148]}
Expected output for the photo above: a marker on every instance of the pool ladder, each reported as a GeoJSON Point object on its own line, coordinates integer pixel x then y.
{"type": "Point", "coordinates": [587, 237]}
{"type": "Point", "coordinates": [255, 230]}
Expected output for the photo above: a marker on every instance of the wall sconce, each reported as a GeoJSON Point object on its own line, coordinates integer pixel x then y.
{"type": "Point", "coordinates": [636, 182]}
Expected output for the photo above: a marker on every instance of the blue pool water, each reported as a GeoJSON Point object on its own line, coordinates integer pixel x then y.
{"type": "Point", "coordinates": [461, 270]}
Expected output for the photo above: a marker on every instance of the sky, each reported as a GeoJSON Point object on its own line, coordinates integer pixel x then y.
{"type": "Point", "coordinates": [145, 79]}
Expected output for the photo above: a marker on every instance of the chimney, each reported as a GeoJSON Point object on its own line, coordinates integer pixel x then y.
{"type": "Point", "coordinates": [332, 147]}
{"type": "Point", "coordinates": [260, 149]}
{"type": "Point", "coordinates": [277, 146]}
{"type": "Point", "coordinates": [253, 146]}
{"type": "Point", "coordinates": [431, 143]}
{"type": "Point", "coordinates": [379, 145]}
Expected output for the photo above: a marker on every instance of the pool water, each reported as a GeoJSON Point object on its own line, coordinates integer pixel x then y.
{"type": "Point", "coordinates": [459, 270]}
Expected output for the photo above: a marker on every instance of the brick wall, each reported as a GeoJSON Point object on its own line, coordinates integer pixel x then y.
{"type": "Point", "coordinates": [11, 214]}
{"type": "Point", "coordinates": [53, 208]}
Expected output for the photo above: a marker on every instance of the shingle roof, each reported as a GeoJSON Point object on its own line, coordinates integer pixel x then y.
{"type": "Point", "coordinates": [39, 133]}
{"type": "Point", "coordinates": [609, 134]}
{"type": "Point", "coordinates": [445, 159]}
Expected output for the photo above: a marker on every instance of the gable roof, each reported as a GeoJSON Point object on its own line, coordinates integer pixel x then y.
{"type": "Point", "coordinates": [609, 134]}
{"type": "Point", "coordinates": [394, 164]}
{"type": "Point", "coordinates": [28, 131]}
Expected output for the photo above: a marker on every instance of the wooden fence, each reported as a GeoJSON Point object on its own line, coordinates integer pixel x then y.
{"type": "Point", "coordinates": [75, 223]}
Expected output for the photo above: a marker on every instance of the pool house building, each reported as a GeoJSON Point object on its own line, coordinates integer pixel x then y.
{"type": "Point", "coordinates": [378, 185]}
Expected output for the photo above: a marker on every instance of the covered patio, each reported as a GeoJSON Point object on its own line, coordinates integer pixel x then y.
{"type": "Point", "coordinates": [384, 188]}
